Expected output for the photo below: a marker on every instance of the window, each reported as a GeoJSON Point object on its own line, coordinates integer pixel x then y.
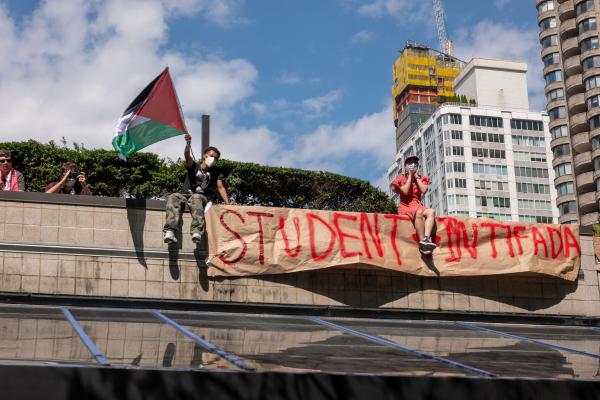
{"type": "Point", "coordinates": [499, 217]}
{"type": "Point", "coordinates": [458, 151]}
{"type": "Point", "coordinates": [531, 172]}
{"type": "Point", "coordinates": [564, 188]}
{"type": "Point", "coordinates": [454, 119]}
{"type": "Point", "coordinates": [595, 142]}
{"type": "Point", "coordinates": [545, 6]}
{"type": "Point", "coordinates": [455, 167]}
{"type": "Point", "coordinates": [529, 125]}
{"type": "Point", "coordinates": [428, 134]}
{"type": "Point", "coordinates": [540, 219]}
{"type": "Point", "coordinates": [584, 6]}
{"type": "Point", "coordinates": [589, 43]}
{"type": "Point", "coordinates": [548, 23]}
{"type": "Point", "coordinates": [555, 94]}
{"type": "Point", "coordinates": [479, 153]}
{"type": "Point", "coordinates": [529, 156]}
{"type": "Point", "coordinates": [490, 169]}
{"type": "Point", "coordinates": [478, 137]}
{"type": "Point", "coordinates": [553, 76]}
{"type": "Point", "coordinates": [496, 153]}
{"type": "Point", "coordinates": [592, 82]}
{"type": "Point", "coordinates": [593, 101]}
{"type": "Point", "coordinates": [456, 135]}
{"type": "Point", "coordinates": [594, 122]}
{"type": "Point", "coordinates": [457, 200]}
{"type": "Point", "coordinates": [568, 207]}
{"type": "Point", "coordinates": [551, 59]}
{"type": "Point", "coordinates": [490, 122]}
{"type": "Point", "coordinates": [561, 150]}
{"type": "Point", "coordinates": [559, 131]}
{"type": "Point", "coordinates": [548, 41]}
{"type": "Point", "coordinates": [535, 188]}
{"type": "Point", "coordinates": [534, 141]}
{"type": "Point", "coordinates": [459, 183]}
{"type": "Point", "coordinates": [491, 185]}
{"type": "Point", "coordinates": [500, 202]}
{"type": "Point", "coordinates": [496, 138]}
{"type": "Point", "coordinates": [591, 62]}
{"type": "Point", "coordinates": [534, 204]}
{"type": "Point", "coordinates": [563, 169]}
{"type": "Point", "coordinates": [557, 112]}
{"type": "Point", "coordinates": [587, 25]}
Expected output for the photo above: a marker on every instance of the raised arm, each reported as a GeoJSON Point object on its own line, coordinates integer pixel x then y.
{"type": "Point", "coordinates": [189, 161]}
{"type": "Point", "coordinates": [423, 187]}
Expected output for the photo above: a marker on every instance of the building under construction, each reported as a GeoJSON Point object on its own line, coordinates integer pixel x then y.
{"type": "Point", "coordinates": [422, 80]}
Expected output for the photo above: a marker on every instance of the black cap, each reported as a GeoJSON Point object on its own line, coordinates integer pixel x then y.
{"type": "Point", "coordinates": [411, 158]}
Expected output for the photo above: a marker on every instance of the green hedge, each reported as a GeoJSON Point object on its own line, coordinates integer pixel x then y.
{"type": "Point", "coordinates": [145, 175]}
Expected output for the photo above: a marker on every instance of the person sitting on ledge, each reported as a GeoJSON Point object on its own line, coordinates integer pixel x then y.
{"type": "Point", "coordinates": [202, 181]}
{"type": "Point", "coordinates": [411, 186]}
{"type": "Point", "coordinates": [72, 182]}
{"type": "Point", "coordinates": [11, 180]}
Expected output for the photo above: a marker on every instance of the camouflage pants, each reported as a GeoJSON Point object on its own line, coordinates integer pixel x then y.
{"type": "Point", "coordinates": [175, 206]}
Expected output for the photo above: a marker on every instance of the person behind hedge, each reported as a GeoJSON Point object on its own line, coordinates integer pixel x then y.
{"type": "Point", "coordinates": [411, 186]}
{"type": "Point", "coordinates": [11, 180]}
{"type": "Point", "coordinates": [71, 182]}
{"type": "Point", "coordinates": [203, 182]}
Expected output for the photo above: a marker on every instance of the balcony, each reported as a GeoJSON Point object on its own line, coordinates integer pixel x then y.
{"type": "Point", "coordinates": [574, 85]}
{"type": "Point", "coordinates": [561, 160]}
{"type": "Point", "coordinates": [567, 218]}
{"type": "Point", "coordinates": [572, 65]}
{"type": "Point", "coordinates": [585, 182]}
{"type": "Point", "coordinates": [576, 103]}
{"type": "Point", "coordinates": [582, 162]}
{"type": "Point", "coordinates": [563, 179]}
{"type": "Point", "coordinates": [570, 47]}
{"type": "Point", "coordinates": [589, 219]}
{"type": "Point", "coordinates": [578, 123]}
{"type": "Point", "coordinates": [581, 142]}
{"type": "Point", "coordinates": [587, 202]}
{"type": "Point", "coordinates": [566, 10]}
{"type": "Point", "coordinates": [568, 29]}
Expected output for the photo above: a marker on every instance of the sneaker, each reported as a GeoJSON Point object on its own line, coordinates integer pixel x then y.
{"type": "Point", "coordinates": [196, 237]}
{"type": "Point", "coordinates": [170, 237]}
{"type": "Point", "coordinates": [428, 244]}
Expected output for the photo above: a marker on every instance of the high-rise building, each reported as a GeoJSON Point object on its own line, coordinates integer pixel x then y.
{"type": "Point", "coordinates": [422, 79]}
{"type": "Point", "coordinates": [571, 58]}
{"type": "Point", "coordinates": [488, 160]}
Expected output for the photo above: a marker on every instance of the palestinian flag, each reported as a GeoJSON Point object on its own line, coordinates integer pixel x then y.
{"type": "Point", "coordinates": [154, 115]}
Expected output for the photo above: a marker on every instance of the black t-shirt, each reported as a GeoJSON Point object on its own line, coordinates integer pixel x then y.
{"type": "Point", "coordinates": [204, 182]}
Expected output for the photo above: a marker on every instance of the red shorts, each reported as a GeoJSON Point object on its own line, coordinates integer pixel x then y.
{"type": "Point", "coordinates": [411, 210]}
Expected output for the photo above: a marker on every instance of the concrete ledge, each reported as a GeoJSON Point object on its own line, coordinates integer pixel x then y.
{"type": "Point", "coordinates": [112, 248]}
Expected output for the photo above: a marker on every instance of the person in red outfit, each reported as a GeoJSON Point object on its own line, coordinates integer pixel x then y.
{"type": "Point", "coordinates": [411, 186]}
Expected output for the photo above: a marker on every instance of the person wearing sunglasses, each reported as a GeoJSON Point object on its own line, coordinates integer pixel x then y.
{"type": "Point", "coordinates": [11, 180]}
{"type": "Point", "coordinates": [411, 186]}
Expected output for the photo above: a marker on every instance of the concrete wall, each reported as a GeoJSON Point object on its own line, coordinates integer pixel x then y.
{"type": "Point", "coordinates": [103, 249]}
{"type": "Point", "coordinates": [494, 83]}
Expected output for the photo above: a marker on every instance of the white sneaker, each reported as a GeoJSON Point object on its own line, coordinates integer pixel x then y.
{"type": "Point", "coordinates": [170, 237]}
{"type": "Point", "coordinates": [196, 237]}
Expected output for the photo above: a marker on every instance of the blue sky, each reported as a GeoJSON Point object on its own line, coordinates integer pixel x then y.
{"type": "Point", "coordinates": [293, 83]}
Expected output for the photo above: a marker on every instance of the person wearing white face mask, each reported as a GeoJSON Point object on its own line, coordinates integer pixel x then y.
{"type": "Point", "coordinates": [411, 186]}
{"type": "Point", "coordinates": [203, 181]}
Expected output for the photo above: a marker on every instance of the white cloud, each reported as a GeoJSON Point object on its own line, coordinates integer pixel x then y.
{"type": "Point", "coordinates": [362, 37]}
{"type": "Point", "coordinates": [324, 103]}
{"type": "Point", "coordinates": [289, 78]}
{"type": "Point", "coordinates": [404, 10]}
{"type": "Point", "coordinates": [70, 69]}
{"type": "Point", "coordinates": [489, 39]}
{"type": "Point", "coordinates": [74, 67]}
{"type": "Point", "coordinates": [500, 4]}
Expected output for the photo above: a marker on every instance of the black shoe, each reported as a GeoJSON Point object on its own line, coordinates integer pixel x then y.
{"type": "Point", "coordinates": [428, 244]}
